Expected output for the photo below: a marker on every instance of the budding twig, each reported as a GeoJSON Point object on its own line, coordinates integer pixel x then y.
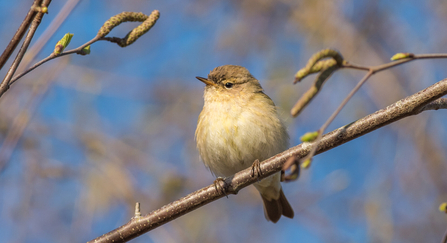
{"type": "Point", "coordinates": [148, 22]}
{"type": "Point", "coordinates": [315, 65]}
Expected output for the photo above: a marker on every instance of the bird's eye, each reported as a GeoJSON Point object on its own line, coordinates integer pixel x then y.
{"type": "Point", "coordinates": [229, 85]}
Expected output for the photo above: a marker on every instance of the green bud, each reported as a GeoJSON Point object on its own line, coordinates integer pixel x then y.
{"type": "Point", "coordinates": [443, 207]}
{"type": "Point", "coordinates": [306, 163]}
{"type": "Point", "coordinates": [62, 44]}
{"type": "Point", "coordinates": [309, 136]}
{"type": "Point", "coordinates": [85, 50]}
{"type": "Point", "coordinates": [401, 55]}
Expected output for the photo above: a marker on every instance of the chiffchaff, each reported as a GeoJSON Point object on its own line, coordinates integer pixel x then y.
{"type": "Point", "coordinates": [238, 125]}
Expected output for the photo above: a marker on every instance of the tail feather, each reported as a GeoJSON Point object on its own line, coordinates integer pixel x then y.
{"type": "Point", "coordinates": [274, 208]}
{"type": "Point", "coordinates": [286, 208]}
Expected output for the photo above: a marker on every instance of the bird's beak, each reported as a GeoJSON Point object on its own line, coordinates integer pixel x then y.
{"type": "Point", "coordinates": [206, 81]}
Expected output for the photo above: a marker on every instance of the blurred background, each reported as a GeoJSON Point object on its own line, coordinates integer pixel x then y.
{"type": "Point", "coordinates": [85, 137]}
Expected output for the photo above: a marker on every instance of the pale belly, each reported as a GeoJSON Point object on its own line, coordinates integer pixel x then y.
{"type": "Point", "coordinates": [231, 141]}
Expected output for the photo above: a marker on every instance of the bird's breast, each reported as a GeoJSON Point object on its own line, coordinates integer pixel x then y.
{"type": "Point", "coordinates": [231, 136]}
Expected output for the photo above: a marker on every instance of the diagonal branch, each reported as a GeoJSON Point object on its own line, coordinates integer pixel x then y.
{"type": "Point", "coordinates": [409, 106]}
{"type": "Point", "coordinates": [19, 33]}
{"type": "Point", "coordinates": [4, 86]}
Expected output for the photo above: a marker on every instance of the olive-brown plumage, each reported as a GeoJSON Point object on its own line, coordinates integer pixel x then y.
{"type": "Point", "coordinates": [239, 124]}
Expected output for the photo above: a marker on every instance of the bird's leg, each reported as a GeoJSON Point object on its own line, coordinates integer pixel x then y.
{"type": "Point", "coordinates": [292, 163]}
{"type": "Point", "coordinates": [256, 169]}
{"type": "Point", "coordinates": [219, 188]}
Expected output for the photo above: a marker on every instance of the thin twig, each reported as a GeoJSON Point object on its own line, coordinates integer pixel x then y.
{"type": "Point", "coordinates": [4, 86]}
{"type": "Point", "coordinates": [344, 64]}
{"type": "Point", "coordinates": [440, 103]}
{"type": "Point", "coordinates": [335, 113]}
{"type": "Point", "coordinates": [52, 56]}
{"type": "Point", "coordinates": [148, 23]}
{"type": "Point", "coordinates": [47, 34]}
{"type": "Point", "coordinates": [385, 66]}
{"type": "Point", "coordinates": [19, 33]}
{"type": "Point", "coordinates": [399, 110]}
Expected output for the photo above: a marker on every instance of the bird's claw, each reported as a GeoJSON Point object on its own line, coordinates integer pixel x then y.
{"type": "Point", "coordinates": [256, 169]}
{"type": "Point", "coordinates": [293, 164]}
{"type": "Point", "coordinates": [218, 186]}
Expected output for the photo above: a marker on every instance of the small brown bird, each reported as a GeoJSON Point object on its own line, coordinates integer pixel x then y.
{"type": "Point", "coordinates": [238, 125]}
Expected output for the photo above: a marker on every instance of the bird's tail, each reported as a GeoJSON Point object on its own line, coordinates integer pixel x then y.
{"type": "Point", "coordinates": [274, 208]}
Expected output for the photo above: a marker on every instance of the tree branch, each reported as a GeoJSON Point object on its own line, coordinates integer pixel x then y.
{"type": "Point", "coordinates": [409, 106]}
{"type": "Point", "coordinates": [19, 33]}
{"type": "Point", "coordinates": [148, 23]}
{"type": "Point", "coordinates": [4, 86]}
{"type": "Point", "coordinates": [54, 25]}
{"type": "Point", "coordinates": [440, 103]}
{"type": "Point", "coordinates": [316, 64]}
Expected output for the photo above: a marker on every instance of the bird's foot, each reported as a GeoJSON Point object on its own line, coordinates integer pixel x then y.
{"type": "Point", "coordinates": [219, 187]}
{"type": "Point", "coordinates": [293, 164]}
{"type": "Point", "coordinates": [256, 169]}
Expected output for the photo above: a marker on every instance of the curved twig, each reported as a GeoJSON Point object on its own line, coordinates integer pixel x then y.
{"type": "Point", "coordinates": [310, 94]}
{"type": "Point", "coordinates": [53, 56]}
{"type": "Point", "coordinates": [148, 22]}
